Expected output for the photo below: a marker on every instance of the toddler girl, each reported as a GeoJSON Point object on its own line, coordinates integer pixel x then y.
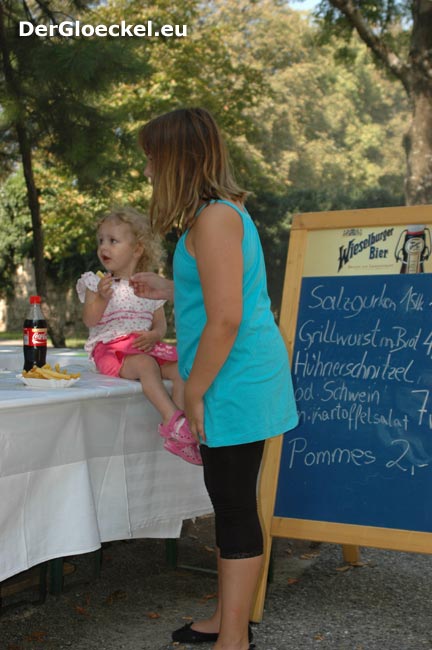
{"type": "Point", "coordinates": [126, 330]}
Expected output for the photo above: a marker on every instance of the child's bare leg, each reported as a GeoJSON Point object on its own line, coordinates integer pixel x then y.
{"type": "Point", "coordinates": [147, 370]}
{"type": "Point", "coordinates": [170, 371]}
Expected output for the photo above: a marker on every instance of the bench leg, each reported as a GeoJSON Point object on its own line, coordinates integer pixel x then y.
{"type": "Point", "coordinates": [171, 552]}
{"type": "Point", "coordinates": [56, 576]}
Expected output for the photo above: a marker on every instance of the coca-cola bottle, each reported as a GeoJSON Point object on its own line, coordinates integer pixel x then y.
{"type": "Point", "coordinates": [34, 336]}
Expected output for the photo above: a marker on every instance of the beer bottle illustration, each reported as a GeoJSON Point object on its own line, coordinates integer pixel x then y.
{"type": "Point", "coordinates": [412, 249]}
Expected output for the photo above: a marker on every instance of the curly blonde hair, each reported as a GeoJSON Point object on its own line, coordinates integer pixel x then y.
{"type": "Point", "coordinates": [153, 253]}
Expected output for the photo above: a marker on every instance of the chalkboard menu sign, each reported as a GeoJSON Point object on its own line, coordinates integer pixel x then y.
{"type": "Point", "coordinates": [356, 317]}
{"type": "Point", "coordinates": [362, 368]}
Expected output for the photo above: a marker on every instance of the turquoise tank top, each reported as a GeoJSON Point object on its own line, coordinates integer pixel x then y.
{"type": "Point", "coordinates": [251, 398]}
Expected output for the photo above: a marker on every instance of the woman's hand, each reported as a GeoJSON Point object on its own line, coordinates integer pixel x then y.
{"type": "Point", "coordinates": [145, 341]}
{"type": "Point", "coordinates": [194, 411]}
{"type": "Point", "coordinates": [152, 285]}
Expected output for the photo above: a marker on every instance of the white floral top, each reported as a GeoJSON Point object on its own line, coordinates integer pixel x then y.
{"type": "Point", "coordinates": [125, 313]}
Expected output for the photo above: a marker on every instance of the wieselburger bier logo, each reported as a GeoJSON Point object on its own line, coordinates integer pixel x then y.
{"type": "Point", "coordinates": [76, 28]}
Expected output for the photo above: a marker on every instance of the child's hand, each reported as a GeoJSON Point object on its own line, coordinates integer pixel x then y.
{"type": "Point", "coordinates": [104, 288]}
{"type": "Point", "coordinates": [145, 341]}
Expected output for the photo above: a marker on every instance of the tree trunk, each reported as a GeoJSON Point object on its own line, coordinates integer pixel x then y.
{"type": "Point", "coordinates": [34, 207]}
{"type": "Point", "coordinates": [418, 143]}
{"type": "Point", "coordinates": [418, 147]}
{"type": "Point", "coordinates": [55, 329]}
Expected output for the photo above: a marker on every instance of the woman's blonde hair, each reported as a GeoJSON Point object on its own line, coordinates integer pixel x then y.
{"type": "Point", "coordinates": [153, 253]}
{"type": "Point", "coordinates": [190, 166]}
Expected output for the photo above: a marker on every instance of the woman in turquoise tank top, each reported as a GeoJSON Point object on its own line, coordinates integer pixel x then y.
{"type": "Point", "coordinates": [238, 389]}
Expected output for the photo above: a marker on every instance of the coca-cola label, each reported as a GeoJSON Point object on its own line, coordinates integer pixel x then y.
{"type": "Point", "coordinates": [35, 336]}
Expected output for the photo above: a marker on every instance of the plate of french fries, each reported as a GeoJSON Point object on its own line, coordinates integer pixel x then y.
{"type": "Point", "coordinates": [48, 377]}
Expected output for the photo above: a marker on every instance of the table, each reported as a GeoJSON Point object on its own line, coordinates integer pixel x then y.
{"type": "Point", "coordinates": [84, 465]}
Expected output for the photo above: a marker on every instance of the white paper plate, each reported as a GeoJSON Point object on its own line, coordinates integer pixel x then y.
{"type": "Point", "coordinates": [48, 384]}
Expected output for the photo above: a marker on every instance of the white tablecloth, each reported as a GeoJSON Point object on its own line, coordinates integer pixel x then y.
{"type": "Point", "coordinates": [84, 465]}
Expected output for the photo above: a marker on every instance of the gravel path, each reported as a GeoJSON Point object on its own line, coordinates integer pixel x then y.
{"type": "Point", "coordinates": [314, 601]}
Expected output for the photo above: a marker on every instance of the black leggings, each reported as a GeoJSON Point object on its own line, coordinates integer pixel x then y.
{"type": "Point", "coordinates": [230, 476]}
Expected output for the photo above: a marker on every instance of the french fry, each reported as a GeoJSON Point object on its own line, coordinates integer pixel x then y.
{"type": "Point", "coordinates": [53, 374]}
{"type": "Point", "coordinates": [46, 372]}
{"type": "Point", "coordinates": [100, 274]}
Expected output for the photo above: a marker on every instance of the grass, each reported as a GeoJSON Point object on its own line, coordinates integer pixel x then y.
{"type": "Point", "coordinates": [10, 336]}
{"type": "Point", "coordinates": [73, 342]}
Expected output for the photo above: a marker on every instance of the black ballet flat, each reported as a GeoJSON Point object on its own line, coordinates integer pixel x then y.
{"type": "Point", "coordinates": [186, 634]}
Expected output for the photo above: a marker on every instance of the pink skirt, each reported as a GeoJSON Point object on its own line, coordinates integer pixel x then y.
{"type": "Point", "coordinates": [109, 357]}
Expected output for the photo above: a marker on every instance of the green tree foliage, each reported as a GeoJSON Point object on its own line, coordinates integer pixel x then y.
{"type": "Point", "coordinates": [399, 35]}
{"type": "Point", "coordinates": [50, 89]}
{"type": "Point", "coordinates": [15, 225]}
{"type": "Point", "coordinates": [325, 134]}
{"type": "Point", "coordinates": [305, 131]}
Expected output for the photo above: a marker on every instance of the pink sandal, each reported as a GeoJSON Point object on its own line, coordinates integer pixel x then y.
{"type": "Point", "coordinates": [189, 453]}
{"type": "Point", "coordinates": [179, 440]}
{"type": "Point", "coordinates": [177, 429]}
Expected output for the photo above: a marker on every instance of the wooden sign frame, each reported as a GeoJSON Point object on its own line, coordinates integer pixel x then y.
{"type": "Point", "coordinates": [348, 535]}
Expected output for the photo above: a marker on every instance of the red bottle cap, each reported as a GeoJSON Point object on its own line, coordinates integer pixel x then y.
{"type": "Point", "coordinates": [35, 300]}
